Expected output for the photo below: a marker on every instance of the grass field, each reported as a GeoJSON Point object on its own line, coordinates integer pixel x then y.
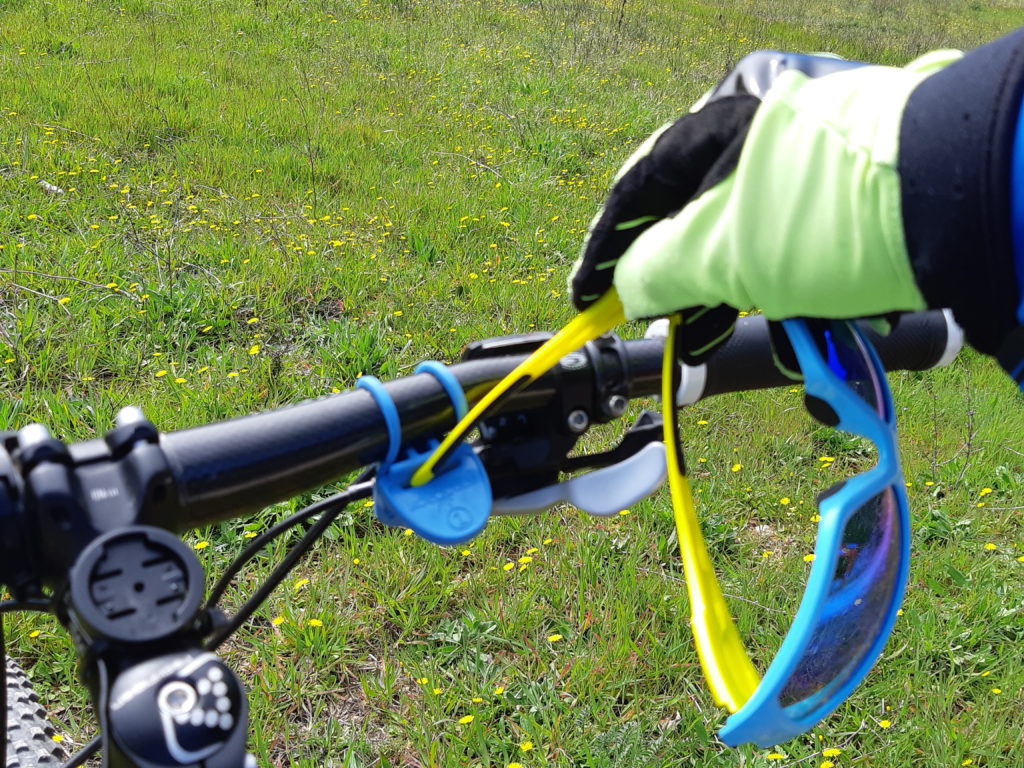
{"type": "Point", "coordinates": [261, 200]}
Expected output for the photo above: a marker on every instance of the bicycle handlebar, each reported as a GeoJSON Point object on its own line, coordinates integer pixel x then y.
{"type": "Point", "coordinates": [226, 469]}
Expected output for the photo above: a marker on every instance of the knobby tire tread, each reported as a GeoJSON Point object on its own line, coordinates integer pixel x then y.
{"type": "Point", "coordinates": [29, 735]}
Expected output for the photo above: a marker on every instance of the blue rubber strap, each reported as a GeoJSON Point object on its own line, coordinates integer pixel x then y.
{"type": "Point", "coordinates": [451, 385]}
{"type": "Point", "coordinates": [389, 411]}
{"type": "Point", "coordinates": [1017, 209]}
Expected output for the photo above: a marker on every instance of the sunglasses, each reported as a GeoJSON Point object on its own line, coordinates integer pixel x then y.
{"type": "Point", "coordinates": [862, 550]}
{"type": "Point", "coordinates": [860, 562]}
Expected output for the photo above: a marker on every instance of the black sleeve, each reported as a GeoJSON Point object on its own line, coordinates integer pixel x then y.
{"type": "Point", "coordinates": [956, 150]}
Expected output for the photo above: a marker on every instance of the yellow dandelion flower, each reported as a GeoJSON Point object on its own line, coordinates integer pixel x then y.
{"type": "Point", "coordinates": [809, 558]}
{"type": "Point", "coordinates": [466, 719]}
{"type": "Point", "coordinates": [179, 380]}
{"type": "Point", "coordinates": [476, 700]}
{"type": "Point", "coordinates": [422, 680]}
{"type": "Point", "coordinates": [985, 492]}
{"type": "Point", "coordinates": [300, 583]}
{"type": "Point", "coordinates": [526, 746]}
{"type": "Point", "coordinates": [737, 467]}
{"type": "Point", "coordinates": [624, 512]}
{"type": "Point", "coordinates": [407, 532]}
{"type": "Point", "coordinates": [315, 623]}
{"type": "Point", "coordinates": [252, 320]}
{"type": "Point", "coordinates": [34, 633]}
{"type": "Point", "coordinates": [784, 500]}
{"type": "Point", "coordinates": [202, 544]}
{"type": "Point", "coordinates": [885, 723]}
{"type": "Point", "coordinates": [997, 691]}
{"type": "Point", "coordinates": [356, 561]}
{"type": "Point", "coordinates": [277, 621]}
{"type": "Point", "coordinates": [514, 765]}
{"type": "Point", "coordinates": [525, 559]}
{"type": "Point", "coordinates": [826, 764]}
{"type": "Point", "coordinates": [831, 752]}
{"type": "Point", "coordinates": [57, 737]}
{"type": "Point", "coordinates": [254, 349]}
{"type": "Point", "coordinates": [990, 546]}
{"type": "Point", "coordinates": [63, 299]}
{"type": "Point", "coordinates": [161, 373]}
{"type": "Point", "coordinates": [508, 566]}
{"type": "Point", "coordinates": [233, 375]}
{"type": "Point", "coordinates": [499, 690]}
{"type": "Point", "coordinates": [775, 756]}
{"type": "Point", "coordinates": [464, 552]}
{"type": "Point", "coordinates": [436, 691]}
{"type": "Point", "coordinates": [554, 638]}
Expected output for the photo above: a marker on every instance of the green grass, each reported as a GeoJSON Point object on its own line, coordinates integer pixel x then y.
{"type": "Point", "coordinates": [265, 199]}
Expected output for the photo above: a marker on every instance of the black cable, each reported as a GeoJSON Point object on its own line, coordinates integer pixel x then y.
{"type": "Point", "coordinates": [90, 749]}
{"type": "Point", "coordinates": [333, 507]}
{"type": "Point", "coordinates": [31, 604]}
{"type": "Point", "coordinates": [247, 554]}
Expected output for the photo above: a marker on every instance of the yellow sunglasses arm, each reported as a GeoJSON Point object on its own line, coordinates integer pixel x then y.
{"type": "Point", "coordinates": [600, 317]}
{"type": "Point", "coordinates": [727, 667]}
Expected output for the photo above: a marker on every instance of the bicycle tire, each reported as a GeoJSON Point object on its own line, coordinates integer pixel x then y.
{"type": "Point", "coordinates": [29, 734]}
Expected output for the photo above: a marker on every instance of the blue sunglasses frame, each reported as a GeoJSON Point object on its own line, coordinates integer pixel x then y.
{"type": "Point", "coordinates": [763, 719]}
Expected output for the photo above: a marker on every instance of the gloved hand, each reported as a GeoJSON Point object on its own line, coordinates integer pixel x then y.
{"type": "Point", "coordinates": [809, 186]}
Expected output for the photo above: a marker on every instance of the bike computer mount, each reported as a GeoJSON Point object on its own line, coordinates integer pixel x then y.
{"type": "Point", "coordinates": [133, 609]}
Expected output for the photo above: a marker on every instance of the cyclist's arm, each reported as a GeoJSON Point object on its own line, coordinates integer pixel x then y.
{"type": "Point", "coordinates": [961, 167]}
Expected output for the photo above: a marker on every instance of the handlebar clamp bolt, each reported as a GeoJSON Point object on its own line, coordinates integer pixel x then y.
{"type": "Point", "coordinates": [578, 421]}
{"type": "Point", "coordinates": [616, 405]}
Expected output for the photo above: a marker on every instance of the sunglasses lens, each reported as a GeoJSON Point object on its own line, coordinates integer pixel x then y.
{"type": "Point", "coordinates": [859, 601]}
{"type": "Point", "coordinates": [850, 361]}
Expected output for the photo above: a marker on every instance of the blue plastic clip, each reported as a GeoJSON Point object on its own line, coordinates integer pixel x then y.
{"type": "Point", "coordinates": [454, 506]}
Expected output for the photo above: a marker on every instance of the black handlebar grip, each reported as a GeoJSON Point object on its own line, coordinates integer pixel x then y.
{"type": "Point", "coordinates": [921, 340]}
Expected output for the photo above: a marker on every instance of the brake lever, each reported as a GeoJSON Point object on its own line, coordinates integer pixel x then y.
{"type": "Point", "coordinates": [646, 429]}
{"type": "Point", "coordinates": [602, 492]}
